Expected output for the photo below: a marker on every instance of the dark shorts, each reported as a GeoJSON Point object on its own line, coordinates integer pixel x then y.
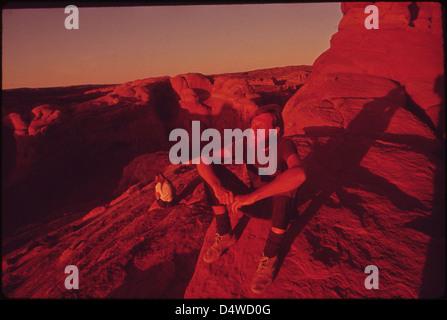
{"type": "Point", "coordinates": [279, 208]}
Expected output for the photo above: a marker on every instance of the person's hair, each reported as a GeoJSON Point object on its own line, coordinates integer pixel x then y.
{"type": "Point", "coordinates": [275, 111]}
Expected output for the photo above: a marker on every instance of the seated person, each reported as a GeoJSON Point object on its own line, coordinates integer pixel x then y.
{"type": "Point", "coordinates": [164, 193]}
{"type": "Point", "coordinates": [276, 192]}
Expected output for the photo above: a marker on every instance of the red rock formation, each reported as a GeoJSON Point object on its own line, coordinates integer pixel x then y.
{"type": "Point", "coordinates": [407, 48]}
{"type": "Point", "coordinates": [120, 249]}
{"type": "Point", "coordinates": [373, 110]}
{"type": "Point", "coordinates": [74, 152]}
{"type": "Point", "coordinates": [143, 169]}
{"type": "Point", "coordinates": [229, 100]}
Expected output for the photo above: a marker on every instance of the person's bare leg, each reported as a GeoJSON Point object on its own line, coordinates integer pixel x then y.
{"type": "Point", "coordinates": [224, 238]}
{"type": "Point", "coordinates": [269, 259]}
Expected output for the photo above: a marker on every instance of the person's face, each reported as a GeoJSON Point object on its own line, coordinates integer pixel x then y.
{"type": "Point", "coordinates": [263, 121]}
{"type": "Point", "coordinates": [158, 178]}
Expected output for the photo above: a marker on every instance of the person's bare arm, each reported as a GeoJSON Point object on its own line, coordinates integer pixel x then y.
{"type": "Point", "coordinates": [223, 195]}
{"type": "Point", "coordinates": [289, 180]}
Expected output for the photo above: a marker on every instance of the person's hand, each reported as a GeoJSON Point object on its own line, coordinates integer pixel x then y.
{"type": "Point", "coordinates": [240, 201]}
{"type": "Point", "coordinates": [224, 196]}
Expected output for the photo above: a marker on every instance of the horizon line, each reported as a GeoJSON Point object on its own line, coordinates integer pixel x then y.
{"type": "Point", "coordinates": [162, 76]}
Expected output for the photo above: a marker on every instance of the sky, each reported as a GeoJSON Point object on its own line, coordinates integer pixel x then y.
{"type": "Point", "coordinates": [119, 44]}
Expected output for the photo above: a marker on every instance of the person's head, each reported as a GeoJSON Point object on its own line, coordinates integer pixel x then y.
{"type": "Point", "coordinates": [268, 117]}
{"type": "Point", "coordinates": [159, 177]}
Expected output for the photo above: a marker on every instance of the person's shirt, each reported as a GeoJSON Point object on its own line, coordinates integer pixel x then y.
{"type": "Point", "coordinates": [165, 190]}
{"type": "Point", "coordinates": [285, 148]}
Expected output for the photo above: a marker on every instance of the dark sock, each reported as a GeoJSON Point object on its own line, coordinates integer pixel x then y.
{"type": "Point", "coordinates": [273, 244]}
{"type": "Point", "coordinates": [223, 224]}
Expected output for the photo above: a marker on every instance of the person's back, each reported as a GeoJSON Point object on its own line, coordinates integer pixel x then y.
{"type": "Point", "coordinates": [164, 191]}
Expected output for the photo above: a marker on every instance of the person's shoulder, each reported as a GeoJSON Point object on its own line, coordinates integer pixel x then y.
{"type": "Point", "coordinates": [286, 143]}
{"type": "Point", "coordinates": [169, 183]}
{"type": "Point", "coordinates": [286, 148]}
{"type": "Point", "coordinates": [285, 140]}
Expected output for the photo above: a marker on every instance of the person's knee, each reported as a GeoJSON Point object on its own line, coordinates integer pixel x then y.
{"type": "Point", "coordinates": [219, 209]}
{"type": "Point", "coordinates": [278, 230]}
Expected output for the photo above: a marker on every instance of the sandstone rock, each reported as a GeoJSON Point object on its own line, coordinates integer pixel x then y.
{"type": "Point", "coordinates": [94, 212]}
{"type": "Point", "coordinates": [143, 169]}
{"type": "Point", "coordinates": [138, 92]}
{"type": "Point", "coordinates": [14, 120]}
{"type": "Point", "coordinates": [43, 116]}
{"type": "Point", "coordinates": [381, 53]}
{"type": "Point", "coordinates": [192, 81]}
{"type": "Point", "coordinates": [362, 204]}
{"type": "Point", "coordinates": [81, 154]}
{"type": "Point", "coordinates": [344, 97]}
{"type": "Point", "coordinates": [369, 130]}
{"type": "Point", "coordinates": [121, 251]}
{"type": "Point", "coordinates": [229, 100]}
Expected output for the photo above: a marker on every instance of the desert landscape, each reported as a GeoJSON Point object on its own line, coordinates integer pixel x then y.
{"type": "Point", "coordinates": [367, 118]}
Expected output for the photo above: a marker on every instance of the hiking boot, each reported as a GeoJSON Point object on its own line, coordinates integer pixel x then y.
{"type": "Point", "coordinates": [221, 244]}
{"type": "Point", "coordinates": [264, 275]}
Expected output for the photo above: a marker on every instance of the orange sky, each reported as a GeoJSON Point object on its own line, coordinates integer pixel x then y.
{"type": "Point", "coordinates": [119, 44]}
